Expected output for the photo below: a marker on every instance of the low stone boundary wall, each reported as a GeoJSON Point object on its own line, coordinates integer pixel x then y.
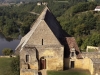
{"type": "Point", "coordinates": [91, 54]}
{"type": "Point", "coordinates": [95, 58]}
{"type": "Point", "coordinates": [7, 56]}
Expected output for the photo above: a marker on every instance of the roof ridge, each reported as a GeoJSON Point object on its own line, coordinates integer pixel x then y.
{"type": "Point", "coordinates": [41, 16]}
{"type": "Point", "coordinates": [44, 13]}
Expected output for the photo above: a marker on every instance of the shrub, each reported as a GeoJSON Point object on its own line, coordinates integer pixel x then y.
{"type": "Point", "coordinates": [7, 51]}
{"type": "Point", "coordinates": [15, 66]}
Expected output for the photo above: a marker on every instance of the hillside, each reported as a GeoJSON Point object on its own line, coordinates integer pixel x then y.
{"type": "Point", "coordinates": [82, 22]}
{"type": "Point", "coordinates": [16, 20]}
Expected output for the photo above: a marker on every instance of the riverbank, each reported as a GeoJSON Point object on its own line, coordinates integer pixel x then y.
{"type": "Point", "coordinates": [13, 36]}
{"type": "Point", "coordinates": [8, 43]}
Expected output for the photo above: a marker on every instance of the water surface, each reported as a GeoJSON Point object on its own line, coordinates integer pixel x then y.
{"type": "Point", "coordinates": [7, 43]}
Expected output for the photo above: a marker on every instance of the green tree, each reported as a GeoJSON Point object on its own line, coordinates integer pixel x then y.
{"type": "Point", "coordinates": [7, 51]}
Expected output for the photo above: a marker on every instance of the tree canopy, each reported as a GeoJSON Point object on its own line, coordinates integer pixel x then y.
{"type": "Point", "coordinates": [7, 51]}
{"type": "Point", "coordinates": [82, 22]}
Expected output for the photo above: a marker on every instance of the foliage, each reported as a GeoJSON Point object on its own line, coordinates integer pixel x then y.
{"type": "Point", "coordinates": [92, 40]}
{"type": "Point", "coordinates": [17, 1]}
{"type": "Point", "coordinates": [13, 22]}
{"type": "Point", "coordinates": [7, 64]}
{"type": "Point", "coordinates": [38, 9]}
{"type": "Point", "coordinates": [82, 22]}
{"type": "Point", "coordinates": [7, 51]}
{"type": "Point", "coordinates": [58, 8]}
{"type": "Point", "coordinates": [15, 67]}
{"type": "Point", "coordinates": [80, 7]}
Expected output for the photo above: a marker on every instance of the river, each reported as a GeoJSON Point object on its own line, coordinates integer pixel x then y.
{"type": "Point", "coordinates": [7, 43]}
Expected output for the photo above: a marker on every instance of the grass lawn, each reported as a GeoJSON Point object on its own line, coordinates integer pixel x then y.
{"type": "Point", "coordinates": [91, 50]}
{"type": "Point", "coordinates": [69, 72]}
{"type": "Point", "coordinates": [5, 68]}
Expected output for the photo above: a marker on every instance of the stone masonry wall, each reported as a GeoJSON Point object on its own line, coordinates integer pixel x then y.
{"type": "Point", "coordinates": [91, 54]}
{"type": "Point", "coordinates": [97, 68]}
{"type": "Point", "coordinates": [95, 58]}
{"type": "Point", "coordinates": [32, 58]}
{"type": "Point", "coordinates": [43, 36]}
{"type": "Point", "coordinates": [28, 72]}
{"type": "Point", "coordinates": [53, 56]}
{"type": "Point", "coordinates": [85, 63]}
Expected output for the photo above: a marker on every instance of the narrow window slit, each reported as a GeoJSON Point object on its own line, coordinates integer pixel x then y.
{"type": "Point", "coordinates": [27, 58]}
{"type": "Point", "coordinates": [42, 41]}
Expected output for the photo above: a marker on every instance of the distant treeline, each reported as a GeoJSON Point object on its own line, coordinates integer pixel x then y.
{"type": "Point", "coordinates": [16, 20]}
{"type": "Point", "coordinates": [82, 22]}
{"type": "Point", "coordinates": [17, 1]}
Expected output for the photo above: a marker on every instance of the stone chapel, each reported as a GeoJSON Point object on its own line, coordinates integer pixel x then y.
{"type": "Point", "coordinates": [46, 46]}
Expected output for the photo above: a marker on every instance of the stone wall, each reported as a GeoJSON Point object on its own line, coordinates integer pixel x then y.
{"type": "Point", "coordinates": [85, 63]}
{"type": "Point", "coordinates": [92, 47]}
{"type": "Point", "coordinates": [91, 54]}
{"type": "Point", "coordinates": [97, 68]}
{"type": "Point", "coordinates": [95, 58]}
{"type": "Point", "coordinates": [7, 56]}
{"type": "Point", "coordinates": [32, 59]}
{"type": "Point", "coordinates": [43, 36]}
{"type": "Point", "coordinates": [28, 72]}
{"type": "Point", "coordinates": [52, 54]}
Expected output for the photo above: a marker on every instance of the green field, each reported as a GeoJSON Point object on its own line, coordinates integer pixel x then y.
{"type": "Point", "coordinates": [5, 68]}
{"type": "Point", "coordinates": [69, 72]}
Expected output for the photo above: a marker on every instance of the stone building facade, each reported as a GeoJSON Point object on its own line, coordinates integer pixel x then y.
{"type": "Point", "coordinates": [47, 46]}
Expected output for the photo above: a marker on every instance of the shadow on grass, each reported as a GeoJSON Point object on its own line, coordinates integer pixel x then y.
{"type": "Point", "coordinates": [69, 72]}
